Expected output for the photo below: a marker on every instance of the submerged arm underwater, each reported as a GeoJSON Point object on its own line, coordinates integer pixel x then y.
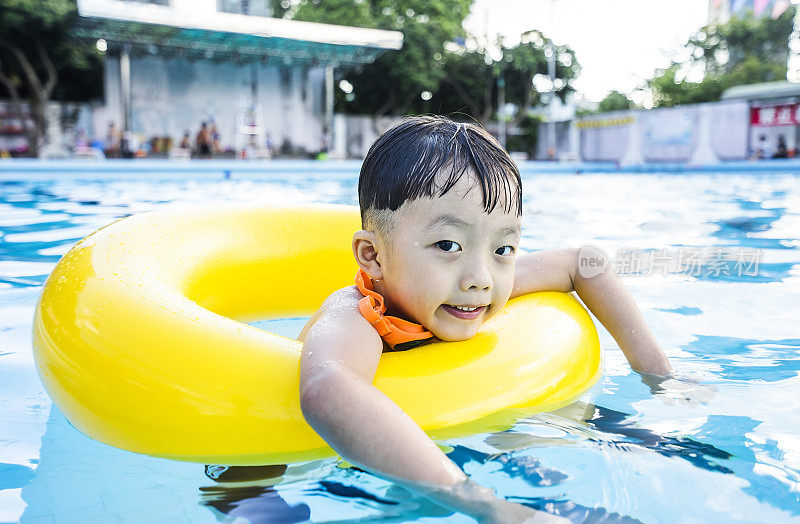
{"type": "Point", "coordinates": [370, 431]}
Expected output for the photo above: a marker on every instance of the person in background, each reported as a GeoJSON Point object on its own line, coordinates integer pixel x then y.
{"type": "Point", "coordinates": [764, 150]}
{"type": "Point", "coordinates": [215, 145]}
{"type": "Point", "coordinates": [781, 152]}
{"type": "Point", "coordinates": [113, 142]}
{"type": "Point", "coordinates": [186, 142]}
{"type": "Point", "coordinates": [203, 141]}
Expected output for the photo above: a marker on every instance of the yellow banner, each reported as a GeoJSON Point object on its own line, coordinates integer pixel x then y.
{"type": "Point", "coordinates": [608, 122]}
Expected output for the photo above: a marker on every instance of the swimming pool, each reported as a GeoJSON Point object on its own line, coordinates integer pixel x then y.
{"type": "Point", "coordinates": [627, 456]}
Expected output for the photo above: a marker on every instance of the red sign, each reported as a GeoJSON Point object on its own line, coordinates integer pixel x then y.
{"type": "Point", "coordinates": [785, 115]}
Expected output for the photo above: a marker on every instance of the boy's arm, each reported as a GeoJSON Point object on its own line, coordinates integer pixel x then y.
{"type": "Point", "coordinates": [337, 366]}
{"type": "Point", "coordinates": [605, 296]}
{"type": "Point", "coordinates": [340, 356]}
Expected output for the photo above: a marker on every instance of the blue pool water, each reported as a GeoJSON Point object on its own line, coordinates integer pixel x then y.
{"type": "Point", "coordinates": [625, 455]}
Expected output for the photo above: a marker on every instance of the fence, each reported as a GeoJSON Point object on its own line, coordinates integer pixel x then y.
{"type": "Point", "coordinates": [700, 133]}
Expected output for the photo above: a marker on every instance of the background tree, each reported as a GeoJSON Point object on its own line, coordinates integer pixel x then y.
{"type": "Point", "coordinates": [745, 50]}
{"type": "Point", "coordinates": [438, 57]}
{"type": "Point", "coordinates": [471, 83]}
{"type": "Point", "coordinates": [459, 78]}
{"type": "Point", "coordinates": [615, 101]}
{"type": "Point", "coordinates": [523, 62]}
{"type": "Point", "coordinates": [393, 83]}
{"type": "Point", "coordinates": [339, 12]}
{"type": "Point", "coordinates": [36, 50]}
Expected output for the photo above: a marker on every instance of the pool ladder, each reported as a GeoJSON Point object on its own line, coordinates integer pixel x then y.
{"type": "Point", "coordinates": [250, 133]}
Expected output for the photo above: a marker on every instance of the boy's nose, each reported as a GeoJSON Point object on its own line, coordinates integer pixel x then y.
{"type": "Point", "coordinates": [476, 276]}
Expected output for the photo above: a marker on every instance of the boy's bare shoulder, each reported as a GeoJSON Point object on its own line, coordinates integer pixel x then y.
{"type": "Point", "coordinates": [343, 299]}
{"type": "Point", "coordinates": [338, 333]}
{"type": "Point", "coordinates": [338, 316]}
{"type": "Point", "coordinates": [342, 303]}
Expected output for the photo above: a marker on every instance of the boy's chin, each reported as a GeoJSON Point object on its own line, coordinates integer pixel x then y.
{"type": "Point", "coordinates": [455, 335]}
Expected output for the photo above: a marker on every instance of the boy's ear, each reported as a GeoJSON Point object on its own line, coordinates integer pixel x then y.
{"type": "Point", "coordinates": [366, 249]}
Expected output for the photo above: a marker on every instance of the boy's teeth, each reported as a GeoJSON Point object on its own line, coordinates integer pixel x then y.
{"type": "Point", "coordinates": [465, 308]}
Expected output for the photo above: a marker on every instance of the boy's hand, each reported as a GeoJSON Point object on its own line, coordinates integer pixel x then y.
{"type": "Point", "coordinates": [686, 391]}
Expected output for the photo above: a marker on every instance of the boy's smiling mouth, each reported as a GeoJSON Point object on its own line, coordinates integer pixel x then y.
{"type": "Point", "coordinates": [464, 312]}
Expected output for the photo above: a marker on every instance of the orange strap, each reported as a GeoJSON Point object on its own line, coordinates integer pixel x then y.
{"type": "Point", "coordinates": [393, 330]}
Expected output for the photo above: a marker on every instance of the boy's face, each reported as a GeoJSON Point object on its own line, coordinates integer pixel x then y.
{"type": "Point", "coordinates": [445, 252]}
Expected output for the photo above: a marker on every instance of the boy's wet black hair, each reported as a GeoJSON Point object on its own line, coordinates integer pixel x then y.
{"type": "Point", "coordinates": [403, 163]}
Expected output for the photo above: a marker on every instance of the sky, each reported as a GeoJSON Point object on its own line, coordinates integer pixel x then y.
{"type": "Point", "coordinates": [618, 43]}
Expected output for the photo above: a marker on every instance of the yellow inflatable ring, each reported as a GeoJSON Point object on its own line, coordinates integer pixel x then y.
{"type": "Point", "coordinates": [139, 338]}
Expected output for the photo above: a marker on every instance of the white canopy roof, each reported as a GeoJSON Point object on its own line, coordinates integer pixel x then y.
{"type": "Point", "coordinates": [195, 16]}
{"type": "Point", "coordinates": [762, 91]}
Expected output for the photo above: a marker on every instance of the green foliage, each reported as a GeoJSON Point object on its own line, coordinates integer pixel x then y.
{"type": "Point", "coordinates": [39, 61]}
{"type": "Point", "coordinates": [27, 24]}
{"type": "Point", "coordinates": [280, 7]}
{"type": "Point", "coordinates": [752, 70]}
{"type": "Point", "coordinates": [523, 61]}
{"type": "Point", "coordinates": [461, 80]}
{"type": "Point", "coordinates": [528, 139]}
{"type": "Point", "coordinates": [668, 91]}
{"type": "Point", "coordinates": [467, 84]}
{"type": "Point", "coordinates": [472, 77]}
{"type": "Point", "coordinates": [745, 50]}
{"type": "Point", "coordinates": [80, 73]}
{"type": "Point", "coordinates": [35, 16]}
{"type": "Point", "coordinates": [339, 12]}
{"type": "Point", "coordinates": [763, 38]}
{"type": "Point", "coordinates": [393, 83]}
{"type": "Point", "coordinates": [615, 101]}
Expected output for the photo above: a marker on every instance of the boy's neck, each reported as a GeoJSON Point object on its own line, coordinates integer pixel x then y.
{"type": "Point", "coordinates": [379, 288]}
{"type": "Point", "coordinates": [391, 309]}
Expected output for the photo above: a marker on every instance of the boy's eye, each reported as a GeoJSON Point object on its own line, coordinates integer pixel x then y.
{"type": "Point", "coordinates": [505, 250]}
{"type": "Point", "coordinates": [448, 245]}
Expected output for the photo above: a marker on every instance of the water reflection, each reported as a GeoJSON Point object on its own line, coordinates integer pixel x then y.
{"type": "Point", "coordinates": [241, 496]}
{"type": "Point", "coordinates": [604, 462]}
{"type": "Point", "coordinates": [749, 359]}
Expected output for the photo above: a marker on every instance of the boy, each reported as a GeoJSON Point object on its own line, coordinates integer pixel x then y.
{"type": "Point", "coordinates": [441, 207]}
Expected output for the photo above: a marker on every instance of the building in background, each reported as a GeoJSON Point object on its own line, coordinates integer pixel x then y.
{"type": "Point", "coordinates": [690, 134]}
{"type": "Point", "coordinates": [774, 112]}
{"type": "Point", "coordinates": [720, 11]}
{"type": "Point", "coordinates": [730, 129]}
{"type": "Point", "coordinates": [173, 64]}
